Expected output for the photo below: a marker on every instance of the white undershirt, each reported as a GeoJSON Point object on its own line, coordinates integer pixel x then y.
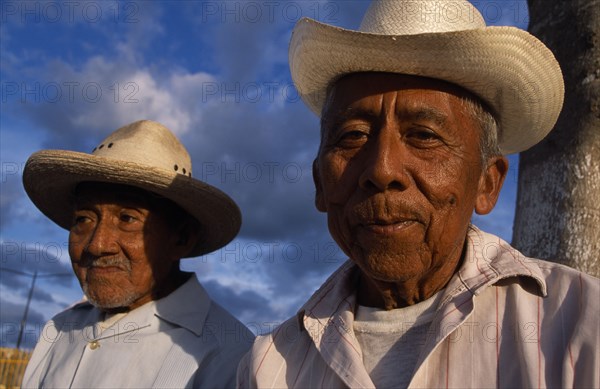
{"type": "Point", "coordinates": [391, 341]}
{"type": "Point", "coordinates": [108, 322]}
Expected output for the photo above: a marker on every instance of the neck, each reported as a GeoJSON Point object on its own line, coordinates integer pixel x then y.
{"type": "Point", "coordinates": [174, 280]}
{"type": "Point", "coordinates": [392, 295]}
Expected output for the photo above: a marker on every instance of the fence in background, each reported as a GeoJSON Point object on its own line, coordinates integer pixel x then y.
{"type": "Point", "coordinates": [12, 367]}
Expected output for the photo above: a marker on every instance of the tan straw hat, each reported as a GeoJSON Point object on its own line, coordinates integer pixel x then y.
{"type": "Point", "coordinates": [508, 68]}
{"type": "Point", "coordinates": [143, 154]}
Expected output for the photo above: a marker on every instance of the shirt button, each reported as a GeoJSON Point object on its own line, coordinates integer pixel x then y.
{"type": "Point", "coordinates": [94, 345]}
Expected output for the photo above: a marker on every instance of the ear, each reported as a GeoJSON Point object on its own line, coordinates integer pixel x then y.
{"type": "Point", "coordinates": [187, 237]}
{"type": "Point", "coordinates": [490, 184]}
{"type": "Point", "coordinates": [320, 202]}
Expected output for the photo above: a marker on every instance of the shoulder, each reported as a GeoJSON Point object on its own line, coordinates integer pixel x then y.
{"type": "Point", "coordinates": [566, 285]}
{"type": "Point", "coordinates": [271, 353]}
{"type": "Point", "coordinates": [557, 272]}
{"type": "Point", "coordinates": [565, 302]}
{"type": "Point", "coordinates": [205, 332]}
{"type": "Point", "coordinates": [225, 329]}
{"type": "Point", "coordinates": [563, 282]}
{"type": "Point", "coordinates": [228, 340]}
{"type": "Point", "coordinates": [284, 344]}
{"type": "Point", "coordinates": [490, 260]}
{"type": "Point", "coordinates": [284, 336]}
{"type": "Point", "coordinates": [77, 313]}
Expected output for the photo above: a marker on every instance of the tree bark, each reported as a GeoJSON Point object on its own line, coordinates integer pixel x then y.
{"type": "Point", "coordinates": [558, 198]}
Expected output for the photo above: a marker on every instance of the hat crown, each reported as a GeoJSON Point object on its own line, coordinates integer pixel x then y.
{"type": "Point", "coordinates": [410, 17]}
{"type": "Point", "coordinates": [147, 143]}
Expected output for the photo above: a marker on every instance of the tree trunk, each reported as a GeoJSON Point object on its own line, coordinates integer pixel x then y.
{"type": "Point", "coordinates": [558, 199]}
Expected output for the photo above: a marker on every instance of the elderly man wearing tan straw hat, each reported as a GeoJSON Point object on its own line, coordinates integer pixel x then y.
{"type": "Point", "coordinates": [418, 109]}
{"type": "Point", "coordinates": [133, 211]}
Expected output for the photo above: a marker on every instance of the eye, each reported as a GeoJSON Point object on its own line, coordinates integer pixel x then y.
{"type": "Point", "coordinates": [352, 136]}
{"type": "Point", "coordinates": [82, 220]}
{"type": "Point", "coordinates": [127, 218]}
{"type": "Point", "coordinates": [82, 216]}
{"type": "Point", "coordinates": [131, 220]}
{"type": "Point", "coordinates": [423, 137]}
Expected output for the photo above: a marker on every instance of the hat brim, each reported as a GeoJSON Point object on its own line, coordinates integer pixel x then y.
{"type": "Point", "coordinates": [508, 68]}
{"type": "Point", "coordinates": [50, 177]}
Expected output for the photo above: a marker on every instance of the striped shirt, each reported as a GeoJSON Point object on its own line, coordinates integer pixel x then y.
{"type": "Point", "coordinates": [504, 321]}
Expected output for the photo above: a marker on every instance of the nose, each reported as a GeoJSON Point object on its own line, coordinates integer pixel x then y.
{"type": "Point", "coordinates": [385, 163]}
{"type": "Point", "coordinates": [102, 240]}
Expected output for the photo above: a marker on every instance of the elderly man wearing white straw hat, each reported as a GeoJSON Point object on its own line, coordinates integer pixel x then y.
{"type": "Point", "coordinates": [133, 211]}
{"type": "Point", "coordinates": [418, 108]}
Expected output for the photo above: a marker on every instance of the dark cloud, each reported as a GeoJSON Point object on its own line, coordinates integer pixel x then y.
{"type": "Point", "coordinates": [283, 273]}
{"type": "Point", "coordinates": [42, 296]}
{"type": "Point", "coordinates": [11, 315]}
{"type": "Point", "coordinates": [345, 14]}
{"type": "Point", "coordinates": [504, 13]}
{"type": "Point", "coordinates": [30, 257]}
{"type": "Point", "coordinates": [250, 39]}
{"type": "Point", "coordinates": [20, 260]}
{"type": "Point", "coordinates": [263, 159]}
{"type": "Point", "coordinates": [13, 281]}
{"type": "Point", "coordinates": [246, 305]}
{"type": "Point", "coordinates": [302, 265]}
{"type": "Point", "coordinates": [11, 193]}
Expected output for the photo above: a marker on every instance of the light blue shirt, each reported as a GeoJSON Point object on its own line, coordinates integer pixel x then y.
{"type": "Point", "coordinates": [181, 341]}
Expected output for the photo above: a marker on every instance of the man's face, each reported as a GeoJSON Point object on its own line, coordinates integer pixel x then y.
{"type": "Point", "coordinates": [399, 174]}
{"type": "Point", "coordinates": [121, 247]}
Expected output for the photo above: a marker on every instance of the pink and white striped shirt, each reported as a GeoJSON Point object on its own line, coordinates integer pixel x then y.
{"type": "Point", "coordinates": [505, 321]}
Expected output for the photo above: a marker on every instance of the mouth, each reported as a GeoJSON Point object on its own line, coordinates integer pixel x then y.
{"type": "Point", "coordinates": [106, 269]}
{"type": "Point", "coordinates": [108, 265]}
{"type": "Point", "coordinates": [389, 227]}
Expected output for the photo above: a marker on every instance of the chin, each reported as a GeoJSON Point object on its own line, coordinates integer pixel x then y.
{"type": "Point", "coordinates": [394, 277]}
{"type": "Point", "coordinates": [391, 270]}
{"type": "Point", "coordinates": [392, 263]}
{"type": "Point", "coordinates": [105, 300]}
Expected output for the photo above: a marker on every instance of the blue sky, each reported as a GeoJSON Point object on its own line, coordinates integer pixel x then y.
{"type": "Point", "coordinates": [214, 72]}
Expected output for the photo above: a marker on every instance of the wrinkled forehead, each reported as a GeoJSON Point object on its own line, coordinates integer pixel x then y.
{"type": "Point", "coordinates": [355, 86]}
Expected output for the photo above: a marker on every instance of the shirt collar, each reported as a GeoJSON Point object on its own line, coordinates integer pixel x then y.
{"type": "Point", "coordinates": [186, 307]}
{"type": "Point", "coordinates": [339, 287]}
{"type": "Point", "coordinates": [490, 259]}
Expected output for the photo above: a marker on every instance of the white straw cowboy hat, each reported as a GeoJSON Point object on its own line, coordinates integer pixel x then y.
{"type": "Point", "coordinates": [143, 154]}
{"type": "Point", "coordinates": [508, 68]}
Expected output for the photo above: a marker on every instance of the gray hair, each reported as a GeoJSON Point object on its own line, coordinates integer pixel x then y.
{"type": "Point", "coordinates": [488, 126]}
